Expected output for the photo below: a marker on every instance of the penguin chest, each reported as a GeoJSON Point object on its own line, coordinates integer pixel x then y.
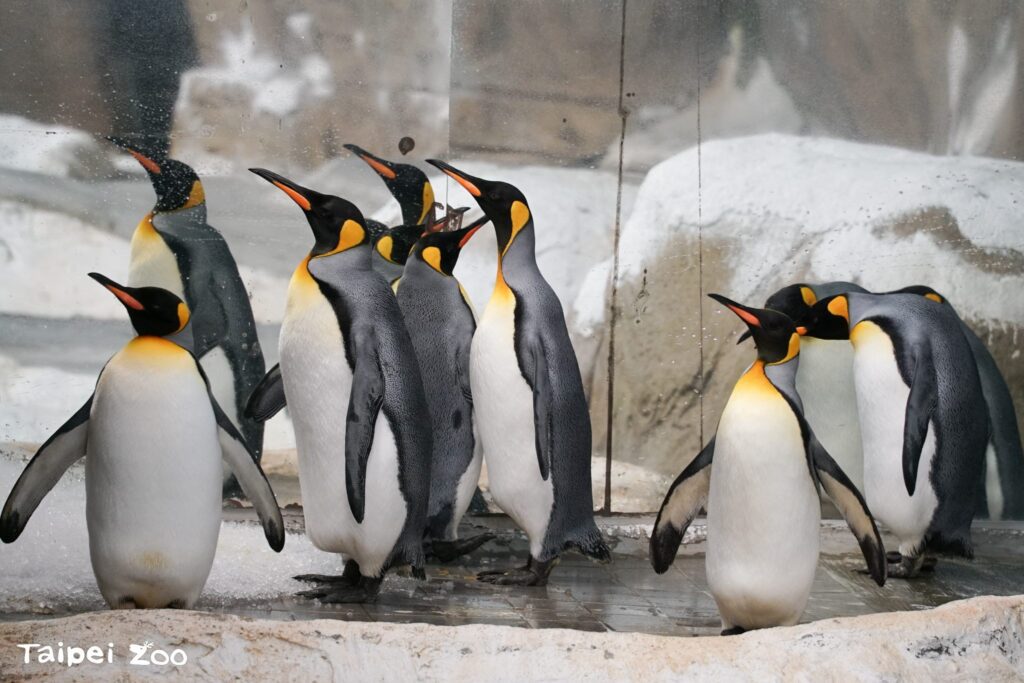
{"type": "Point", "coordinates": [824, 381]}
{"type": "Point", "coordinates": [318, 384]}
{"type": "Point", "coordinates": [153, 477]}
{"type": "Point", "coordinates": [881, 404]}
{"type": "Point", "coordinates": [152, 263]}
{"type": "Point", "coordinates": [763, 512]}
{"type": "Point", "coordinates": [503, 405]}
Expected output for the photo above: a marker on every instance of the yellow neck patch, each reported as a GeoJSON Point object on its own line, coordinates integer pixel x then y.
{"type": "Point", "coordinates": [432, 255]}
{"type": "Point", "coordinates": [183, 316]}
{"type": "Point", "coordinates": [840, 307]}
{"type": "Point", "coordinates": [385, 245]}
{"type": "Point", "coordinates": [350, 235]}
{"type": "Point", "coordinates": [428, 201]}
{"type": "Point", "coordinates": [754, 381]}
{"type": "Point", "coordinates": [794, 349]}
{"type": "Point", "coordinates": [934, 297]}
{"type": "Point", "coordinates": [150, 349]}
{"type": "Point", "coordinates": [196, 197]}
{"type": "Point", "coordinates": [809, 298]}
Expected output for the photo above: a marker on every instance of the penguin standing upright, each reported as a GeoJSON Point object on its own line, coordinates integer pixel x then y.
{"type": "Point", "coordinates": [825, 377]}
{"type": "Point", "coordinates": [155, 436]}
{"type": "Point", "coordinates": [390, 270]}
{"type": "Point", "coordinates": [406, 183]}
{"type": "Point", "coordinates": [528, 396]}
{"type": "Point", "coordinates": [923, 418]}
{"type": "Point", "coordinates": [441, 322]}
{"type": "Point", "coordinates": [175, 248]}
{"type": "Point", "coordinates": [1003, 489]}
{"type": "Point", "coordinates": [362, 426]}
{"type": "Point", "coordinates": [760, 477]}
{"type": "Point", "coordinates": [393, 248]}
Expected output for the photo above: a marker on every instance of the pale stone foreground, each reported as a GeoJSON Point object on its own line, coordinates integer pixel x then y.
{"type": "Point", "coordinates": [979, 639]}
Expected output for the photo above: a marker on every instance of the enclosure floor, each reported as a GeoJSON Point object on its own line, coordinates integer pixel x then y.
{"type": "Point", "coordinates": [626, 594]}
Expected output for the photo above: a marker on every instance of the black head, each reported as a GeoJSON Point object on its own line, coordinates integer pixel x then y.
{"type": "Point", "coordinates": [795, 301]}
{"type": "Point", "coordinates": [397, 242]}
{"type": "Point", "coordinates": [407, 184]}
{"type": "Point", "coordinates": [153, 311]}
{"type": "Point", "coordinates": [375, 229]}
{"type": "Point", "coordinates": [504, 204]}
{"type": "Point", "coordinates": [922, 290]}
{"type": "Point", "coordinates": [176, 184]}
{"type": "Point", "coordinates": [337, 223]}
{"type": "Point", "coordinates": [440, 250]}
{"type": "Point", "coordinates": [774, 333]}
{"type": "Point", "coordinates": [829, 318]}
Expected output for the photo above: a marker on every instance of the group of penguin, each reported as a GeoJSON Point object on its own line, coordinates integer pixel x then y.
{"type": "Point", "coordinates": [901, 391]}
{"type": "Point", "coordinates": [395, 390]}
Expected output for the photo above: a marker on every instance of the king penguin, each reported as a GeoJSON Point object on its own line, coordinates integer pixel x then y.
{"type": "Point", "coordinates": [825, 377]}
{"type": "Point", "coordinates": [528, 396]}
{"type": "Point", "coordinates": [406, 183]}
{"type": "Point", "coordinates": [155, 436]}
{"type": "Point", "coordinates": [923, 418]}
{"type": "Point", "coordinates": [1003, 489]}
{"type": "Point", "coordinates": [175, 248]}
{"type": "Point", "coordinates": [441, 321]}
{"type": "Point", "coordinates": [760, 478]}
{"type": "Point", "coordinates": [393, 247]}
{"type": "Point", "coordinates": [362, 426]}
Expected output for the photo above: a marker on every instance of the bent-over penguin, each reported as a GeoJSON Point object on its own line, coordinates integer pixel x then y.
{"type": "Point", "coordinates": [528, 396]}
{"type": "Point", "coordinates": [362, 426]}
{"type": "Point", "coordinates": [155, 437]}
{"type": "Point", "coordinates": [175, 248]}
{"type": "Point", "coordinates": [441, 321]}
{"type": "Point", "coordinates": [923, 418]}
{"type": "Point", "coordinates": [760, 478]}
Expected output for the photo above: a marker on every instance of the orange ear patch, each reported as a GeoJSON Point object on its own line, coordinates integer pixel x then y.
{"type": "Point", "coordinates": [296, 197]}
{"type": "Point", "coordinates": [126, 298]}
{"type": "Point", "coordinates": [840, 308]}
{"type": "Point", "coordinates": [146, 162]}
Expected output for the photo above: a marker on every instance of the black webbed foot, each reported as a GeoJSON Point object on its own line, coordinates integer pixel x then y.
{"type": "Point", "coordinates": [349, 577]}
{"type": "Point", "coordinates": [446, 551]}
{"type": "Point", "coordinates": [533, 574]}
{"type": "Point", "coordinates": [365, 590]}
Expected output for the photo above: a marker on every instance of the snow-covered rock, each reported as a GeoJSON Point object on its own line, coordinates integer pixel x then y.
{"type": "Point", "coordinates": [750, 215]}
{"type": "Point", "coordinates": [977, 639]}
{"type": "Point", "coordinates": [51, 149]}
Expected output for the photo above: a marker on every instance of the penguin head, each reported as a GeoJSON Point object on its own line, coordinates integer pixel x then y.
{"type": "Point", "coordinates": [153, 311]}
{"type": "Point", "coordinates": [775, 335]}
{"type": "Point", "coordinates": [922, 290]}
{"type": "Point", "coordinates": [337, 223]}
{"type": "Point", "coordinates": [829, 318]}
{"type": "Point", "coordinates": [504, 204]}
{"type": "Point", "coordinates": [397, 242]}
{"type": "Point", "coordinates": [407, 184]}
{"type": "Point", "coordinates": [440, 249]}
{"type": "Point", "coordinates": [176, 184]}
{"type": "Point", "coordinates": [794, 300]}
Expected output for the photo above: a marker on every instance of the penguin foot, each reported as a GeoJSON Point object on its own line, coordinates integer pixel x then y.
{"type": "Point", "coordinates": [734, 631]}
{"type": "Point", "coordinates": [446, 551]}
{"type": "Point", "coordinates": [349, 577]}
{"type": "Point", "coordinates": [365, 590]}
{"type": "Point", "coordinates": [908, 568]}
{"type": "Point", "coordinates": [533, 574]}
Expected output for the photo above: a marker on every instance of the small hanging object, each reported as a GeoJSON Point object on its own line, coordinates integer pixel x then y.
{"type": "Point", "coordinates": [406, 145]}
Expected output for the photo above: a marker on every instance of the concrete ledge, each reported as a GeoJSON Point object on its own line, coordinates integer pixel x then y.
{"type": "Point", "coordinates": [981, 639]}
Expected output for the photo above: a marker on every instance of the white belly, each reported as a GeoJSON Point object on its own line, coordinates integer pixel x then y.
{"type": "Point", "coordinates": [882, 404]}
{"type": "Point", "coordinates": [318, 383]}
{"type": "Point", "coordinates": [467, 484]}
{"type": "Point", "coordinates": [763, 515]}
{"type": "Point", "coordinates": [153, 482]}
{"type": "Point", "coordinates": [152, 263]}
{"type": "Point", "coordinates": [503, 405]}
{"type": "Point", "coordinates": [825, 383]}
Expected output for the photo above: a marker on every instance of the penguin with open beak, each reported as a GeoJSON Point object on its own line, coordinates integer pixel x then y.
{"type": "Point", "coordinates": [528, 396]}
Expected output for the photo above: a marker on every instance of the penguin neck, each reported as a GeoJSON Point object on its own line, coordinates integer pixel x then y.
{"type": "Point", "coordinates": [184, 338]}
{"type": "Point", "coordinates": [332, 268]}
{"type": "Point", "coordinates": [193, 216]}
{"type": "Point", "coordinates": [516, 261]}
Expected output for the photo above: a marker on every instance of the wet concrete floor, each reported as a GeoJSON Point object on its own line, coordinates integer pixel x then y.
{"type": "Point", "coordinates": [626, 594]}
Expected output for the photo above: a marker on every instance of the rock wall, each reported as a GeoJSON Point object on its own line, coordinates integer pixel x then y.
{"type": "Point", "coordinates": [978, 639]}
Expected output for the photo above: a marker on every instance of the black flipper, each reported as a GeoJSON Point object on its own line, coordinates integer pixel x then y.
{"type": "Point", "coordinates": [243, 464]}
{"type": "Point", "coordinates": [535, 371]}
{"type": "Point", "coordinates": [921, 405]}
{"type": "Point", "coordinates": [53, 458]}
{"type": "Point", "coordinates": [364, 406]}
{"type": "Point", "coordinates": [852, 506]}
{"type": "Point", "coordinates": [684, 500]}
{"type": "Point", "coordinates": [267, 399]}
